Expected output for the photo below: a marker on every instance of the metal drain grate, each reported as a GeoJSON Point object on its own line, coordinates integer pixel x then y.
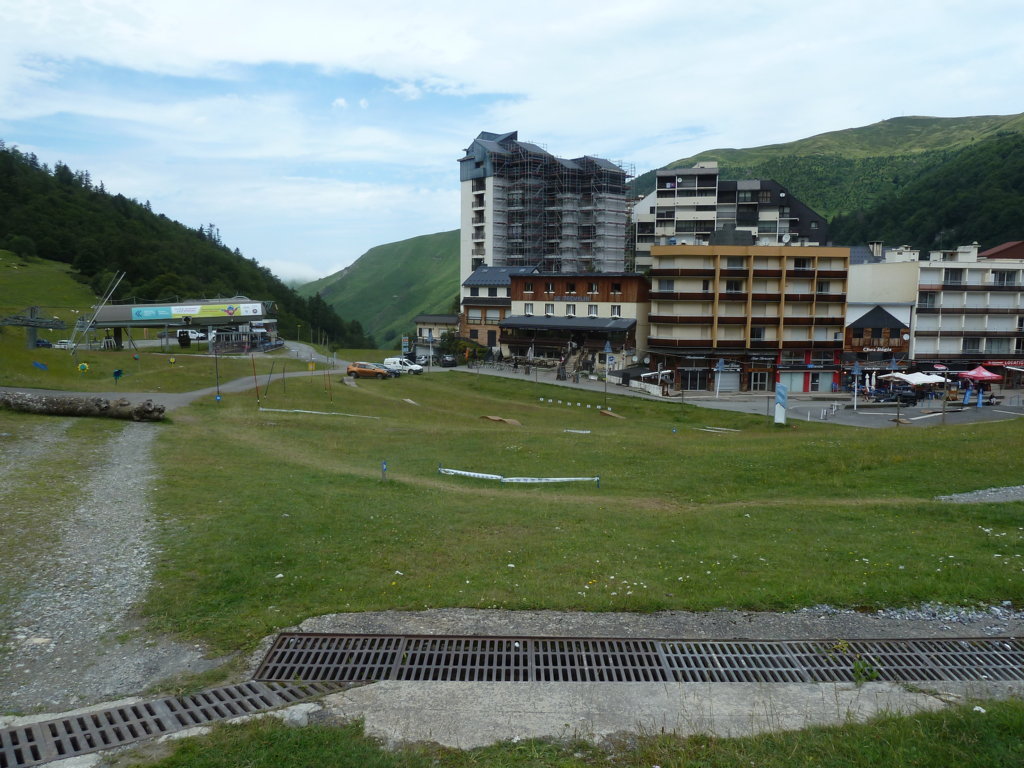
{"type": "Point", "coordinates": [366, 658]}
{"type": "Point", "coordinates": [70, 736]}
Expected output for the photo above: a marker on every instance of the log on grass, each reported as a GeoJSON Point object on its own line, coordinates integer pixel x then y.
{"type": "Point", "coordinates": [71, 405]}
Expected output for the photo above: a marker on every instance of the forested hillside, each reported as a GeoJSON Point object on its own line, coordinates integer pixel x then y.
{"type": "Point", "coordinates": [978, 194]}
{"type": "Point", "coordinates": [59, 214]}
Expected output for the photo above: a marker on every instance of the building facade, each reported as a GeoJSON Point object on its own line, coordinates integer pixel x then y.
{"type": "Point", "coordinates": [689, 205]}
{"type": "Point", "coordinates": [522, 206]}
{"type": "Point", "coordinates": [486, 301]}
{"type": "Point", "coordinates": [768, 313]}
{"type": "Point", "coordinates": [577, 317]}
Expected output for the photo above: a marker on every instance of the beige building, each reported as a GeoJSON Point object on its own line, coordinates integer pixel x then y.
{"type": "Point", "coordinates": [768, 313]}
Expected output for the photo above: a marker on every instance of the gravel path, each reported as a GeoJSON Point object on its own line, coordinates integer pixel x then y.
{"type": "Point", "coordinates": [71, 636]}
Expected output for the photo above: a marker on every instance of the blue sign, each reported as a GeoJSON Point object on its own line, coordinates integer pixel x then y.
{"type": "Point", "coordinates": [151, 313]}
{"type": "Point", "coordinates": [720, 365]}
{"type": "Point", "coordinates": [781, 395]}
{"type": "Point", "coordinates": [857, 369]}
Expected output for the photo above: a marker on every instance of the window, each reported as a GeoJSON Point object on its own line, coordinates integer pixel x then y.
{"type": "Point", "coordinates": [592, 288]}
{"type": "Point", "coordinates": [867, 333]}
{"type": "Point", "coordinates": [765, 196]}
{"type": "Point", "coordinates": [528, 308]}
{"type": "Point", "coordinates": [528, 287]}
{"type": "Point", "coordinates": [734, 262]}
{"type": "Point", "coordinates": [1001, 277]}
{"type": "Point", "coordinates": [952, 277]}
{"type": "Point", "coordinates": [757, 334]}
{"type": "Point", "coordinates": [475, 316]}
{"type": "Point", "coordinates": [592, 309]}
{"type": "Point", "coordinates": [570, 309]}
{"type": "Point", "coordinates": [705, 285]}
{"type": "Point", "coordinates": [926, 300]}
{"type": "Point", "coordinates": [759, 381]}
{"type": "Point", "coordinates": [493, 316]}
{"type": "Point", "coordinates": [474, 291]}
{"type": "Point", "coordinates": [492, 291]}
{"type": "Point", "coordinates": [477, 262]}
{"type": "Point", "coordinates": [666, 285]}
{"type": "Point", "coordinates": [745, 196]}
{"type": "Point", "coordinates": [616, 287]}
{"type": "Point", "coordinates": [570, 288]}
{"type": "Point", "coordinates": [823, 286]}
{"type": "Point", "coordinates": [734, 286]}
{"type": "Point", "coordinates": [474, 333]}
{"type": "Point", "coordinates": [821, 358]}
{"type": "Point", "coordinates": [549, 287]}
{"type": "Point", "coordinates": [971, 345]}
{"type": "Point", "coordinates": [801, 263]}
{"type": "Point", "coordinates": [814, 225]}
{"type": "Point", "coordinates": [616, 310]}
{"type": "Point", "coordinates": [549, 309]}
{"type": "Point", "coordinates": [997, 345]}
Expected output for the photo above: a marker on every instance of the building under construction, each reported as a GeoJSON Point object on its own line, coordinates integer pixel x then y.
{"type": "Point", "coordinates": [522, 206]}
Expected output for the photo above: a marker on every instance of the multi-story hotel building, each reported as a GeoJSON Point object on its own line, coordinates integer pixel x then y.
{"type": "Point", "coordinates": [522, 206]}
{"type": "Point", "coordinates": [689, 205]}
{"type": "Point", "coordinates": [769, 313]}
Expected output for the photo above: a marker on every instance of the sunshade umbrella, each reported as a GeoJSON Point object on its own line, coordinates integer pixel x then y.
{"type": "Point", "coordinates": [980, 374]}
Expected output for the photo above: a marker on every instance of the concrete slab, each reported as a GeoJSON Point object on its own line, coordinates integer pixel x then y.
{"type": "Point", "coordinates": [468, 715]}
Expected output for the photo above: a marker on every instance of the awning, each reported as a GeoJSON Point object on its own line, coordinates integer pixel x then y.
{"type": "Point", "coordinates": [596, 324]}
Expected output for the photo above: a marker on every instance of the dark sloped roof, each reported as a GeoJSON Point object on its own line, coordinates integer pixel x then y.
{"type": "Point", "coordinates": [876, 318]}
{"type": "Point", "coordinates": [491, 276]}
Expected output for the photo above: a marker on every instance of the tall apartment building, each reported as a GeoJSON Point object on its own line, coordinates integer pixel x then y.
{"type": "Point", "coordinates": [695, 206]}
{"type": "Point", "coordinates": [969, 307]}
{"type": "Point", "coordinates": [523, 207]}
{"type": "Point", "coordinates": [769, 313]}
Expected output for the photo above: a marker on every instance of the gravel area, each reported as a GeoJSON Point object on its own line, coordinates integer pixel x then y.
{"type": "Point", "coordinates": [70, 636]}
{"type": "Point", "coordinates": [1011, 493]}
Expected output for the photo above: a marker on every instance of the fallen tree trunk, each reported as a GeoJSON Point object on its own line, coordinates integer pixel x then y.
{"type": "Point", "coordinates": [70, 405]}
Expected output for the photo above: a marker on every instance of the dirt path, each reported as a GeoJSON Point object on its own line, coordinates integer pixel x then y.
{"type": "Point", "coordinates": [69, 634]}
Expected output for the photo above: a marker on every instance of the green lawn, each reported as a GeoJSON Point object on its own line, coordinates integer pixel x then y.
{"type": "Point", "coordinates": [280, 516]}
{"type": "Point", "coordinates": [960, 737]}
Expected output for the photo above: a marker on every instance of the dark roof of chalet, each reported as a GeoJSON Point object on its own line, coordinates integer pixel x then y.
{"type": "Point", "coordinates": [861, 254]}
{"type": "Point", "coordinates": [999, 251]}
{"type": "Point", "coordinates": [876, 317]}
{"type": "Point", "coordinates": [540, 322]}
{"type": "Point", "coordinates": [439, 319]}
{"type": "Point", "coordinates": [486, 301]}
{"type": "Point", "coordinates": [491, 276]}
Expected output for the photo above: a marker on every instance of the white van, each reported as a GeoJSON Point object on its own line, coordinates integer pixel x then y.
{"type": "Point", "coordinates": [405, 365]}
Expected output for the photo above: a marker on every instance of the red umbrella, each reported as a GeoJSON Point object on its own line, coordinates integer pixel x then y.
{"type": "Point", "coordinates": [980, 374]}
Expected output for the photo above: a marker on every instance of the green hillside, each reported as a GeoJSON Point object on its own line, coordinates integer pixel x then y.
{"type": "Point", "coordinates": [844, 171]}
{"type": "Point", "coordinates": [390, 284]}
{"type": "Point", "coordinates": [978, 194]}
{"type": "Point", "coordinates": [61, 215]}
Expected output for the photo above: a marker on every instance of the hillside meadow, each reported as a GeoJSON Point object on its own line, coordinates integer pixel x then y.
{"type": "Point", "coordinates": [271, 516]}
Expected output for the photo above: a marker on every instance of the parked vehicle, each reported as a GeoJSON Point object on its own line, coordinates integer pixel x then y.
{"type": "Point", "coordinates": [448, 361]}
{"type": "Point", "coordinates": [363, 370]}
{"type": "Point", "coordinates": [62, 344]}
{"type": "Point", "coordinates": [394, 370]}
{"type": "Point", "coordinates": [403, 365]}
{"type": "Point", "coordinates": [43, 343]}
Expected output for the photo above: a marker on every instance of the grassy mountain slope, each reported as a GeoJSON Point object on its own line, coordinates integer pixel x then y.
{"type": "Point", "coordinates": [844, 171]}
{"type": "Point", "coordinates": [386, 287]}
{"type": "Point", "coordinates": [978, 194]}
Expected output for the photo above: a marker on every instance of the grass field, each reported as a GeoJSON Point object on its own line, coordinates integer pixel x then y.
{"type": "Point", "coordinates": [960, 737]}
{"type": "Point", "coordinates": [282, 516]}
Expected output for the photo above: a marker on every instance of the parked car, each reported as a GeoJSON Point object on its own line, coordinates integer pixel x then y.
{"type": "Point", "coordinates": [43, 343]}
{"type": "Point", "coordinates": [402, 365]}
{"type": "Point", "coordinates": [363, 370]}
{"type": "Point", "coordinates": [901, 395]}
{"type": "Point", "coordinates": [394, 370]}
{"type": "Point", "coordinates": [422, 360]}
{"type": "Point", "coordinates": [62, 344]}
{"type": "Point", "coordinates": [448, 361]}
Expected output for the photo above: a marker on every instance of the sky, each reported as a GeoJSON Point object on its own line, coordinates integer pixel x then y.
{"type": "Point", "coordinates": [310, 131]}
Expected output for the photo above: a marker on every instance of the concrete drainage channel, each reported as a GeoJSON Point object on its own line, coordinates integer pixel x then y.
{"type": "Point", "coordinates": [70, 736]}
{"type": "Point", "coordinates": [367, 658]}
{"type": "Point", "coordinates": [303, 665]}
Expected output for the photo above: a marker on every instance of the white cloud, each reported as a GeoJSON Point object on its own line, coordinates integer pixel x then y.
{"type": "Point", "coordinates": [207, 106]}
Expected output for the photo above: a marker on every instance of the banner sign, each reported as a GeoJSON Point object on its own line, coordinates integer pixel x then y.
{"type": "Point", "coordinates": [179, 311]}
